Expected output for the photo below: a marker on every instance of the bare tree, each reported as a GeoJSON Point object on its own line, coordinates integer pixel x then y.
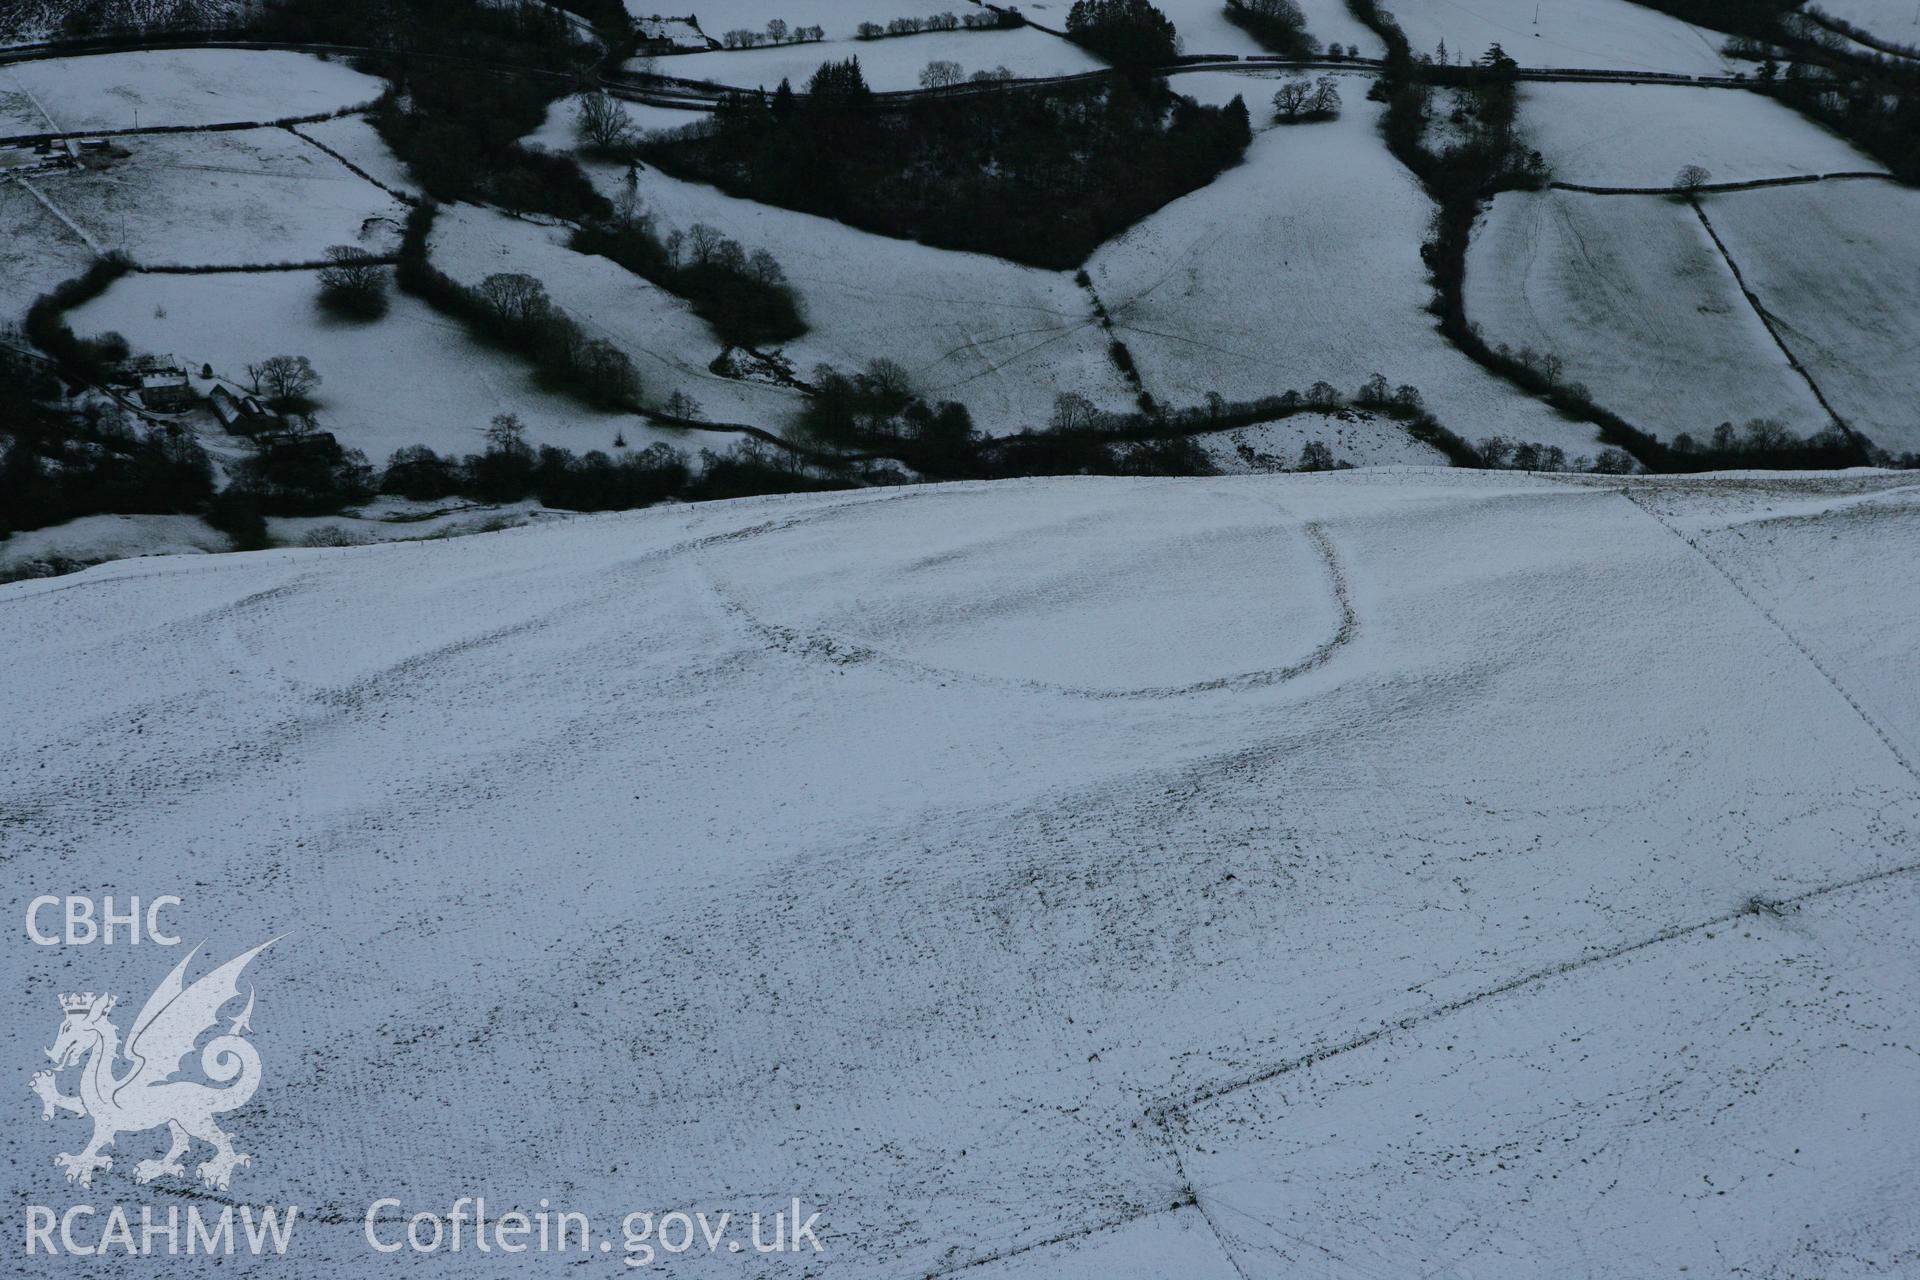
{"type": "Point", "coordinates": [630, 213]}
{"type": "Point", "coordinates": [1302, 99]}
{"type": "Point", "coordinates": [285, 382]}
{"type": "Point", "coordinates": [1326, 98]}
{"type": "Point", "coordinates": [300, 426]}
{"type": "Point", "coordinates": [765, 268]}
{"type": "Point", "coordinates": [507, 434]}
{"type": "Point", "coordinates": [941, 73]}
{"type": "Point", "coordinates": [777, 30]}
{"type": "Point", "coordinates": [353, 283]}
{"type": "Point", "coordinates": [603, 124]}
{"type": "Point", "coordinates": [703, 242]}
{"type": "Point", "coordinates": [1294, 97]}
{"type": "Point", "coordinates": [1073, 412]}
{"type": "Point", "coordinates": [1316, 456]}
{"type": "Point", "coordinates": [1691, 179]}
{"type": "Point", "coordinates": [889, 383]}
{"type": "Point", "coordinates": [515, 299]}
{"type": "Point", "coordinates": [1765, 434]}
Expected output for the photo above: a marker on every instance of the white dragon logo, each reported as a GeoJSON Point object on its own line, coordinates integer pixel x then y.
{"type": "Point", "coordinates": [146, 1095]}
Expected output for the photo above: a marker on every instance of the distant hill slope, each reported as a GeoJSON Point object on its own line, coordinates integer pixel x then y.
{"type": "Point", "coordinates": [30, 21]}
{"type": "Point", "coordinates": [1368, 874]}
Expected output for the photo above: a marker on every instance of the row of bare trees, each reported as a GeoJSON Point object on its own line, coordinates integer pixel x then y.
{"type": "Point", "coordinates": [943, 73]}
{"type": "Point", "coordinates": [1300, 100]}
{"type": "Point", "coordinates": [777, 32]}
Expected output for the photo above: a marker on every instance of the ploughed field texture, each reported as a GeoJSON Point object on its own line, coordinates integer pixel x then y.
{"type": "Point", "coordinates": [1343, 875]}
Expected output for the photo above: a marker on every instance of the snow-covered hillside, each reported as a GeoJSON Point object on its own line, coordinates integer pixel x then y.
{"type": "Point", "coordinates": [1299, 265]}
{"type": "Point", "coordinates": [1852, 315]}
{"type": "Point", "coordinates": [892, 63]}
{"type": "Point", "coordinates": [412, 379]}
{"type": "Point", "coordinates": [175, 87]}
{"type": "Point", "coordinates": [1631, 294]}
{"type": "Point", "coordinates": [1640, 135]}
{"type": "Point", "coordinates": [224, 199]}
{"type": "Point", "coordinates": [1376, 874]}
{"type": "Point", "coordinates": [31, 21]}
{"type": "Point", "coordinates": [1614, 34]}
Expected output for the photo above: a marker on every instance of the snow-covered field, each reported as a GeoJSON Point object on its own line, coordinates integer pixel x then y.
{"type": "Point", "coordinates": [90, 540]}
{"type": "Point", "coordinates": [1001, 338]}
{"type": "Point", "coordinates": [400, 520]}
{"type": "Point", "coordinates": [671, 347]}
{"type": "Point", "coordinates": [95, 539]}
{"type": "Point", "coordinates": [1340, 875]}
{"type": "Point", "coordinates": [1204, 28]}
{"type": "Point", "coordinates": [174, 87]}
{"type": "Point", "coordinates": [893, 63]}
{"type": "Point", "coordinates": [1630, 293]}
{"type": "Point", "coordinates": [37, 251]}
{"type": "Point", "coordinates": [1621, 135]}
{"type": "Point", "coordinates": [361, 145]}
{"type": "Point", "coordinates": [561, 129]}
{"type": "Point", "coordinates": [1300, 265]}
{"type": "Point", "coordinates": [25, 22]}
{"type": "Point", "coordinates": [838, 18]}
{"type": "Point", "coordinates": [1838, 267]}
{"type": "Point", "coordinates": [1612, 35]}
{"type": "Point", "coordinates": [1894, 21]}
{"type": "Point", "coordinates": [413, 377]}
{"type": "Point", "coordinates": [242, 198]}
{"type": "Point", "coordinates": [1357, 438]}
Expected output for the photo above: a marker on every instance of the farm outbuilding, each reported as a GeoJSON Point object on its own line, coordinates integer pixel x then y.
{"type": "Point", "coordinates": [658, 35]}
